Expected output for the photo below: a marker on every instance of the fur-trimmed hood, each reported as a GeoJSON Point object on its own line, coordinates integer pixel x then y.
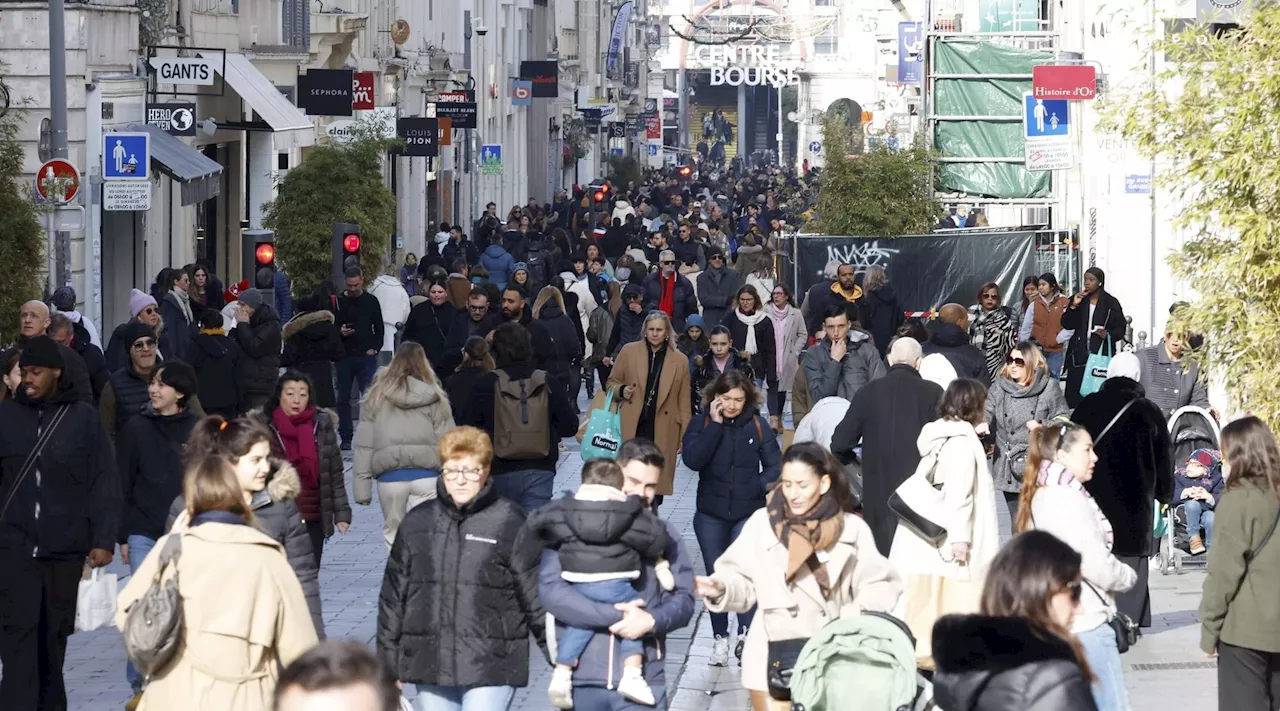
{"type": "Point", "coordinates": [978, 642]}
{"type": "Point", "coordinates": [283, 486]}
{"type": "Point", "coordinates": [301, 321]}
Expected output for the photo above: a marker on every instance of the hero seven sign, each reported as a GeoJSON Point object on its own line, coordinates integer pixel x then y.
{"type": "Point", "coordinates": [183, 70]}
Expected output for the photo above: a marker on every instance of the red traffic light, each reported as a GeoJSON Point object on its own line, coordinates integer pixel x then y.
{"type": "Point", "coordinates": [351, 244]}
{"type": "Point", "coordinates": [265, 253]}
{"type": "Point", "coordinates": [686, 171]}
{"type": "Point", "coordinates": [604, 188]}
{"type": "Point", "coordinates": [600, 195]}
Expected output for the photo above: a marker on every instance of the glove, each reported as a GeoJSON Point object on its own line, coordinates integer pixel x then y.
{"type": "Point", "coordinates": [662, 569]}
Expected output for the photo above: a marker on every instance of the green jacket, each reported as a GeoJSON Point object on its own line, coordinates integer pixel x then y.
{"type": "Point", "coordinates": [1239, 609]}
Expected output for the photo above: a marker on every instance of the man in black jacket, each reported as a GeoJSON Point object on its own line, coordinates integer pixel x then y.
{"type": "Point", "coordinates": [258, 334]}
{"type": "Point", "coordinates": [62, 511]}
{"type": "Point", "coordinates": [360, 321]}
{"type": "Point", "coordinates": [951, 339]}
{"type": "Point", "coordinates": [516, 310]}
{"type": "Point", "coordinates": [67, 334]}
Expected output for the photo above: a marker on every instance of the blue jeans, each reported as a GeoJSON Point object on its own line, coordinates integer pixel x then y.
{"type": "Point", "coordinates": [1199, 513]}
{"type": "Point", "coordinates": [574, 640]}
{"type": "Point", "coordinates": [359, 369]}
{"type": "Point", "coordinates": [598, 698]}
{"type": "Point", "coordinates": [1103, 656]}
{"type": "Point", "coordinates": [139, 547]}
{"type": "Point", "coordinates": [1054, 361]}
{"type": "Point", "coordinates": [714, 536]}
{"type": "Point", "coordinates": [459, 698]}
{"type": "Point", "coordinates": [531, 488]}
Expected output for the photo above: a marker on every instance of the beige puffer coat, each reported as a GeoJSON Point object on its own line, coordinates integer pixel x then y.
{"type": "Point", "coordinates": [404, 433]}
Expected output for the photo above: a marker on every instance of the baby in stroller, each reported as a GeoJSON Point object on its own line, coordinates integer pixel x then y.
{"type": "Point", "coordinates": [1198, 485]}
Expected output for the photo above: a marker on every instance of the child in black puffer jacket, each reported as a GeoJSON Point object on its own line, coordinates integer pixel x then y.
{"type": "Point", "coordinates": [603, 537]}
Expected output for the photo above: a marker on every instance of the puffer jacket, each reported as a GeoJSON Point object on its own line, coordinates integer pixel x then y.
{"type": "Point", "coordinates": [214, 357]}
{"type": "Point", "coordinates": [460, 594]}
{"type": "Point", "coordinates": [828, 378]}
{"type": "Point", "coordinates": [599, 531]}
{"type": "Point", "coordinates": [402, 434]}
{"type": "Point", "coordinates": [260, 345]}
{"type": "Point", "coordinates": [127, 396]}
{"type": "Point", "coordinates": [1009, 407]}
{"type": "Point", "coordinates": [736, 462]}
{"type": "Point", "coordinates": [311, 344]}
{"type": "Point", "coordinates": [499, 263]}
{"type": "Point", "coordinates": [599, 331]}
{"type": "Point", "coordinates": [278, 517]}
{"type": "Point", "coordinates": [1002, 664]}
{"type": "Point", "coordinates": [331, 498]}
{"type": "Point", "coordinates": [953, 342]}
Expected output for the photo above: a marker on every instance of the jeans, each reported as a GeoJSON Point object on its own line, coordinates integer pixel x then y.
{"type": "Point", "coordinates": [1103, 656]}
{"type": "Point", "coordinates": [574, 640]}
{"type": "Point", "coordinates": [1247, 679]}
{"type": "Point", "coordinates": [598, 698]}
{"type": "Point", "coordinates": [38, 603]}
{"type": "Point", "coordinates": [352, 368]}
{"type": "Point", "coordinates": [1054, 361]}
{"type": "Point", "coordinates": [397, 498]}
{"type": "Point", "coordinates": [1199, 513]}
{"type": "Point", "coordinates": [777, 400]}
{"type": "Point", "coordinates": [531, 488]}
{"type": "Point", "coordinates": [139, 547]}
{"type": "Point", "coordinates": [714, 536]}
{"type": "Point", "coordinates": [459, 698]}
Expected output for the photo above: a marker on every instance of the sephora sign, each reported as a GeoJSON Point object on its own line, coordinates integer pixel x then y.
{"type": "Point", "coordinates": [751, 65]}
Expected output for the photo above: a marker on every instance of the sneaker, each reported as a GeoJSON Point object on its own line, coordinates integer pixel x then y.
{"type": "Point", "coordinates": [1197, 545]}
{"type": "Point", "coordinates": [132, 704]}
{"type": "Point", "coordinates": [720, 652]}
{"type": "Point", "coordinates": [346, 446]}
{"type": "Point", "coordinates": [560, 690]}
{"type": "Point", "coordinates": [742, 641]}
{"type": "Point", "coordinates": [633, 687]}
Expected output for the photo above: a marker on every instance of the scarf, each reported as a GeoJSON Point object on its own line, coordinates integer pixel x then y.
{"type": "Point", "coordinates": [667, 300]}
{"type": "Point", "coordinates": [779, 316]}
{"type": "Point", "coordinates": [213, 332]}
{"type": "Point", "coordinates": [184, 303]}
{"type": "Point", "coordinates": [297, 432]}
{"type": "Point", "coordinates": [992, 333]}
{"type": "Point", "coordinates": [817, 530]}
{"type": "Point", "coordinates": [1054, 474]}
{"type": "Point", "coordinates": [750, 320]}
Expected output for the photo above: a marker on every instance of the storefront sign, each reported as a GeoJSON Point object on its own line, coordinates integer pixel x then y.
{"type": "Point", "coordinates": [362, 91]}
{"type": "Point", "coordinates": [183, 70]}
{"type": "Point", "coordinates": [421, 136]}
{"type": "Point", "coordinates": [1073, 82]}
{"type": "Point", "coordinates": [545, 76]}
{"type": "Point", "coordinates": [460, 106]}
{"type": "Point", "coordinates": [177, 119]}
{"type": "Point", "coordinates": [326, 92]}
{"type": "Point", "coordinates": [734, 65]}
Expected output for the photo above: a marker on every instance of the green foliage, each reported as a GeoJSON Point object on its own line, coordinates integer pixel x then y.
{"type": "Point", "coordinates": [338, 182]}
{"type": "Point", "coordinates": [790, 129]}
{"type": "Point", "coordinates": [624, 170]}
{"type": "Point", "coordinates": [22, 238]}
{"type": "Point", "coordinates": [879, 193]}
{"type": "Point", "coordinates": [1214, 131]}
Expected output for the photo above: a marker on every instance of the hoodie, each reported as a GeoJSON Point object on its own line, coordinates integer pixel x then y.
{"type": "Point", "coordinates": [880, 312]}
{"type": "Point", "coordinates": [394, 302]}
{"type": "Point", "coordinates": [149, 456]}
{"type": "Point", "coordinates": [312, 343]}
{"type": "Point", "coordinates": [953, 342]}
{"type": "Point", "coordinates": [499, 263]}
{"type": "Point", "coordinates": [621, 211]}
{"type": "Point", "coordinates": [214, 357]}
{"type": "Point", "coordinates": [403, 433]}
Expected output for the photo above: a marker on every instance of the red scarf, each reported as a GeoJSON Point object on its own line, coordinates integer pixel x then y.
{"type": "Point", "coordinates": [667, 301]}
{"type": "Point", "coordinates": [298, 434]}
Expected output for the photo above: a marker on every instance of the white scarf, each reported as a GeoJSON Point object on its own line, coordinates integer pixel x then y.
{"type": "Point", "coordinates": [751, 322]}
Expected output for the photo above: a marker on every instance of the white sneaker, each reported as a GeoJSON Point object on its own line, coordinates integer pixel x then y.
{"type": "Point", "coordinates": [560, 690]}
{"type": "Point", "coordinates": [633, 687]}
{"type": "Point", "coordinates": [720, 652]}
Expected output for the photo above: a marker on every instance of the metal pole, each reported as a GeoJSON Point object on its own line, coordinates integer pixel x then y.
{"type": "Point", "coordinates": [58, 122]}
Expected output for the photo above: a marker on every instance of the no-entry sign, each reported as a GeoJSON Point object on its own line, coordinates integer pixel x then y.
{"type": "Point", "coordinates": [1074, 82]}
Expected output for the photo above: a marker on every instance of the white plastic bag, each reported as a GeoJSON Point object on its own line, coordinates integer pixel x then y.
{"type": "Point", "coordinates": [96, 601]}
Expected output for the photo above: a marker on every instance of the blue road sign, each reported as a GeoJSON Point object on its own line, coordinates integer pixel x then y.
{"type": "Point", "coordinates": [815, 147]}
{"type": "Point", "coordinates": [1045, 117]}
{"type": "Point", "coordinates": [491, 159]}
{"type": "Point", "coordinates": [126, 156]}
{"type": "Point", "coordinates": [653, 149]}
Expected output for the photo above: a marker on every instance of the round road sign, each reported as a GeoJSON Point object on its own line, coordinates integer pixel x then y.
{"type": "Point", "coordinates": [521, 92]}
{"type": "Point", "coordinates": [58, 181]}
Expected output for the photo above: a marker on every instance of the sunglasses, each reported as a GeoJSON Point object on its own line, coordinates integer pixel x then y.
{"type": "Point", "coordinates": [715, 258]}
{"type": "Point", "coordinates": [144, 344]}
{"type": "Point", "coordinates": [664, 263]}
{"type": "Point", "coordinates": [991, 296]}
{"type": "Point", "coordinates": [149, 310]}
{"type": "Point", "coordinates": [1010, 360]}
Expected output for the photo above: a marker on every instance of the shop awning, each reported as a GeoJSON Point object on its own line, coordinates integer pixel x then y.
{"type": "Point", "coordinates": [200, 175]}
{"type": "Point", "coordinates": [292, 127]}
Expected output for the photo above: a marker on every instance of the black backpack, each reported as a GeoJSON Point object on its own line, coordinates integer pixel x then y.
{"type": "Point", "coordinates": [539, 265]}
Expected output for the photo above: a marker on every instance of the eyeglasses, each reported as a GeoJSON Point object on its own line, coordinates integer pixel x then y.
{"type": "Point", "coordinates": [454, 473]}
{"type": "Point", "coordinates": [1075, 587]}
{"type": "Point", "coordinates": [478, 309]}
{"type": "Point", "coordinates": [1010, 360]}
{"type": "Point", "coordinates": [144, 344]}
{"type": "Point", "coordinates": [991, 296]}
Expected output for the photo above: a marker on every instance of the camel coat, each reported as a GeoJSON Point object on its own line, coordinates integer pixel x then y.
{"type": "Point", "coordinates": [244, 617]}
{"type": "Point", "coordinates": [753, 571]}
{"type": "Point", "coordinates": [673, 408]}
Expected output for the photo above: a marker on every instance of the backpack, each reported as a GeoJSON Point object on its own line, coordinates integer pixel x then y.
{"type": "Point", "coordinates": [865, 661]}
{"type": "Point", "coordinates": [539, 265]}
{"type": "Point", "coordinates": [522, 411]}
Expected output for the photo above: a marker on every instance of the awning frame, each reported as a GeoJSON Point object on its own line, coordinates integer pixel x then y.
{"type": "Point", "coordinates": [292, 128]}
{"type": "Point", "coordinates": [199, 175]}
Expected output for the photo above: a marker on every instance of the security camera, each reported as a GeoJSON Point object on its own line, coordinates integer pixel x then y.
{"type": "Point", "coordinates": [482, 30]}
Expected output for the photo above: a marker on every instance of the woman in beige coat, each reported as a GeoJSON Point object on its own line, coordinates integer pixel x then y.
{"type": "Point", "coordinates": [947, 578]}
{"type": "Point", "coordinates": [827, 568]}
{"type": "Point", "coordinates": [243, 612]}
{"type": "Point", "coordinates": [658, 408]}
{"type": "Point", "coordinates": [402, 418]}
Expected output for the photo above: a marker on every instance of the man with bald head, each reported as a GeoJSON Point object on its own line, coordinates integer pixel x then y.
{"type": "Point", "coordinates": [33, 321]}
{"type": "Point", "coordinates": [886, 416]}
{"type": "Point", "coordinates": [950, 337]}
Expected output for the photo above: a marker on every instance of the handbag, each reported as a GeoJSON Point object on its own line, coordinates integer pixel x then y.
{"type": "Point", "coordinates": [918, 502]}
{"type": "Point", "coordinates": [1126, 630]}
{"type": "Point", "coordinates": [783, 655]}
{"type": "Point", "coordinates": [153, 623]}
{"type": "Point", "coordinates": [1095, 368]}
{"type": "Point", "coordinates": [603, 435]}
{"type": "Point", "coordinates": [41, 441]}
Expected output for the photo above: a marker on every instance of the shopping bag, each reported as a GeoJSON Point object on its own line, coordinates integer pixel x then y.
{"type": "Point", "coordinates": [1095, 369]}
{"type": "Point", "coordinates": [96, 601]}
{"type": "Point", "coordinates": [604, 431]}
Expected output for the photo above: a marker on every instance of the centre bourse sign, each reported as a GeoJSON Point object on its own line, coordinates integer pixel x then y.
{"type": "Point", "coordinates": [752, 65]}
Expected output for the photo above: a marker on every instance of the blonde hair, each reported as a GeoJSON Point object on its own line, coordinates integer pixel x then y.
{"type": "Point", "coordinates": [656, 315]}
{"type": "Point", "coordinates": [1035, 361]}
{"type": "Point", "coordinates": [410, 362]}
{"type": "Point", "coordinates": [548, 293]}
{"type": "Point", "coordinates": [210, 484]}
{"type": "Point", "coordinates": [874, 278]}
{"type": "Point", "coordinates": [466, 441]}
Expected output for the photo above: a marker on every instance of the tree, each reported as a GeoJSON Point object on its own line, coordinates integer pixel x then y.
{"type": "Point", "coordinates": [1209, 120]}
{"type": "Point", "coordinates": [338, 182]}
{"type": "Point", "coordinates": [624, 170]}
{"type": "Point", "coordinates": [22, 237]}
{"type": "Point", "coordinates": [879, 193]}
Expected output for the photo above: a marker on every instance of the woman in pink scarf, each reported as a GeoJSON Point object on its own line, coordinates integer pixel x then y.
{"type": "Point", "coordinates": [789, 340]}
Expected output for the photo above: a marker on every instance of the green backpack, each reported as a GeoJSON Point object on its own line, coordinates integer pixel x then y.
{"type": "Point", "coordinates": [865, 662]}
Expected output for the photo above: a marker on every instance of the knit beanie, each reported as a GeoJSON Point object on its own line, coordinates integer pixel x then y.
{"type": "Point", "coordinates": [64, 299]}
{"type": "Point", "coordinates": [251, 298]}
{"type": "Point", "coordinates": [1207, 458]}
{"type": "Point", "coordinates": [139, 300]}
{"type": "Point", "coordinates": [519, 267]}
{"type": "Point", "coordinates": [41, 352]}
{"type": "Point", "coordinates": [137, 330]}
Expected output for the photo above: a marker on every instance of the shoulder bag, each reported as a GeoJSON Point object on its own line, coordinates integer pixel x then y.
{"type": "Point", "coordinates": [919, 503]}
{"type": "Point", "coordinates": [153, 623]}
{"type": "Point", "coordinates": [1126, 630]}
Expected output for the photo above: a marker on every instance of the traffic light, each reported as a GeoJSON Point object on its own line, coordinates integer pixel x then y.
{"type": "Point", "coordinates": [346, 250]}
{"type": "Point", "coordinates": [685, 171]}
{"type": "Point", "coordinates": [258, 260]}
{"type": "Point", "coordinates": [601, 195]}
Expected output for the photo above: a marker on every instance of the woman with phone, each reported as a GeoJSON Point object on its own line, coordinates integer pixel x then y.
{"type": "Point", "coordinates": [1097, 320]}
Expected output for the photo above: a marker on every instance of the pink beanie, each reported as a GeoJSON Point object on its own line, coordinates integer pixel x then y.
{"type": "Point", "coordinates": [139, 301]}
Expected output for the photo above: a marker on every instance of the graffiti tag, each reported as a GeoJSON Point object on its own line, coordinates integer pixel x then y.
{"type": "Point", "coordinates": [861, 255]}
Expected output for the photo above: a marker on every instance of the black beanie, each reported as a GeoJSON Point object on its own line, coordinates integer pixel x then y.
{"type": "Point", "coordinates": [41, 352]}
{"type": "Point", "coordinates": [136, 330]}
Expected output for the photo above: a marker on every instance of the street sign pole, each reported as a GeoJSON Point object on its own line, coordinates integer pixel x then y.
{"type": "Point", "coordinates": [61, 267]}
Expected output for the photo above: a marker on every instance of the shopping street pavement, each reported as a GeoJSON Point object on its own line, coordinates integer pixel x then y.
{"type": "Point", "coordinates": [1166, 669]}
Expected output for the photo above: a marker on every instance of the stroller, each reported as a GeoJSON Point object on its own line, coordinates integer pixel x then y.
{"type": "Point", "coordinates": [1190, 428]}
{"type": "Point", "coordinates": [866, 661]}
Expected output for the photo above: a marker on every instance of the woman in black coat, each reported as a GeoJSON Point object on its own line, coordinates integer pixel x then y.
{"type": "Point", "coordinates": [752, 332]}
{"type": "Point", "coordinates": [428, 324]}
{"type": "Point", "coordinates": [460, 593]}
{"type": "Point", "coordinates": [312, 342]}
{"type": "Point", "coordinates": [1018, 653]}
{"type": "Point", "coordinates": [476, 361]}
{"type": "Point", "coordinates": [1095, 316]}
{"type": "Point", "coordinates": [566, 349]}
{"type": "Point", "coordinates": [879, 310]}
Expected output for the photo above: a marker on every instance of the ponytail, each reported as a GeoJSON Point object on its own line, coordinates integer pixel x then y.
{"type": "Point", "coordinates": [1042, 447]}
{"type": "Point", "coordinates": [216, 436]}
